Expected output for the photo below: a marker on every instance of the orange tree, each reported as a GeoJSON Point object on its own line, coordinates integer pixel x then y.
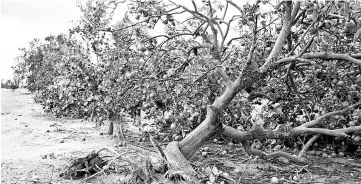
{"type": "Point", "coordinates": [274, 71]}
{"type": "Point", "coordinates": [258, 73]}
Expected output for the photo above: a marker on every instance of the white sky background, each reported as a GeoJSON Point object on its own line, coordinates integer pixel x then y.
{"type": "Point", "coordinates": [23, 20]}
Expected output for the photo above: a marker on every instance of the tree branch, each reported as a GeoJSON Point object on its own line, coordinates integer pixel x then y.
{"type": "Point", "coordinates": [280, 39]}
{"type": "Point", "coordinates": [295, 9]}
{"type": "Point", "coordinates": [251, 151]}
{"type": "Point", "coordinates": [308, 144]}
{"type": "Point", "coordinates": [331, 56]}
{"type": "Point", "coordinates": [317, 55]}
{"type": "Point", "coordinates": [336, 133]}
{"type": "Point", "coordinates": [225, 11]}
{"type": "Point", "coordinates": [318, 120]}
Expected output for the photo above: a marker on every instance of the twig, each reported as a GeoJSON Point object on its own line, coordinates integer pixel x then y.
{"type": "Point", "coordinates": [109, 149]}
{"type": "Point", "coordinates": [199, 78]}
{"type": "Point", "coordinates": [105, 167]}
{"type": "Point", "coordinates": [142, 147]}
{"type": "Point", "coordinates": [156, 145]}
{"type": "Point", "coordinates": [308, 144]}
{"type": "Point", "coordinates": [240, 178]}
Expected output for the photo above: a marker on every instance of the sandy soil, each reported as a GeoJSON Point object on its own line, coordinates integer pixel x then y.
{"type": "Point", "coordinates": [28, 134]}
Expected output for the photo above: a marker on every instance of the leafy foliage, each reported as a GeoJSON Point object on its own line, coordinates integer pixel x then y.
{"type": "Point", "coordinates": [100, 68]}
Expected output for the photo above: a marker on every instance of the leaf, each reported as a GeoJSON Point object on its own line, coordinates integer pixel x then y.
{"type": "Point", "coordinates": [208, 170]}
{"type": "Point", "coordinates": [357, 36]}
{"type": "Point", "coordinates": [342, 11]}
{"type": "Point", "coordinates": [243, 114]}
{"type": "Point", "coordinates": [345, 103]}
{"type": "Point", "coordinates": [314, 15]}
{"type": "Point", "coordinates": [212, 178]}
{"type": "Point", "coordinates": [215, 170]}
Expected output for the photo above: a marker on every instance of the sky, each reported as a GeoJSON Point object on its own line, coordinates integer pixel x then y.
{"type": "Point", "coordinates": [23, 20]}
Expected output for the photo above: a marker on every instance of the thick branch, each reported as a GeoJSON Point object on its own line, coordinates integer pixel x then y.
{"type": "Point", "coordinates": [236, 6]}
{"type": "Point", "coordinates": [308, 144]}
{"type": "Point", "coordinates": [318, 55]}
{"type": "Point", "coordinates": [335, 133]}
{"type": "Point", "coordinates": [331, 56]}
{"type": "Point", "coordinates": [225, 11]}
{"type": "Point", "coordinates": [283, 132]}
{"type": "Point", "coordinates": [295, 9]}
{"type": "Point", "coordinates": [280, 39]}
{"type": "Point", "coordinates": [318, 120]}
{"type": "Point", "coordinates": [251, 151]}
{"type": "Point", "coordinates": [198, 136]}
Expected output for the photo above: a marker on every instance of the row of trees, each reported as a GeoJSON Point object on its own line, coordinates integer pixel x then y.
{"type": "Point", "coordinates": [9, 84]}
{"type": "Point", "coordinates": [255, 72]}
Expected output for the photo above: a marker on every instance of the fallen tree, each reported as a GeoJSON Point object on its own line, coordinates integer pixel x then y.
{"type": "Point", "coordinates": [250, 72]}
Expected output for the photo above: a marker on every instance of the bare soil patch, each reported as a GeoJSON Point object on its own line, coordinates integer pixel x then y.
{"type": "Point", "coordinates": [28, 136]}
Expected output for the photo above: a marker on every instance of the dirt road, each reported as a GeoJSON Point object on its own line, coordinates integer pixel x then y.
{"type": "Point", "coordinates": [28, 134]}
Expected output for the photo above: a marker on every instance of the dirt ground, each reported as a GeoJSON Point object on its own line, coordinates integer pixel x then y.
{"type": "Point", "coordinates": [28, 135]}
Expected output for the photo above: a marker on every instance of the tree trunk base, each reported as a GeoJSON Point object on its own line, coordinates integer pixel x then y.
{"type": "Point", "coordinates": [179, 167]}
{"type": "Point", "coordinates": [111, 128]}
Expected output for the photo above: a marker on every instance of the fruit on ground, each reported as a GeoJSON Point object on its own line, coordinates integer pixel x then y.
{"type": "Point", "coordinates": [295, 178]}
{"type": "Point", "coordinates": [225, 174]}
{"type": "Point", "coordinates": [274, 180]}
{"type": "Point", "coordinates": [152, 95]}
{"type": "Point", "coordinates": [137, 29]}
{"type": "Point", "coordinates": [173, 126]}
{"type": "Point", "coordinates": [340, 83]}
{"type": "Point", "coordinates": [178, 138]}
{"type": "Point", "coordinates": [351, 124]}
{"type": "Point", "coordinates": [313, 31]}
{"type": "Point", "coordinates": [285, 161]}
{"type": "Point", "coordinates": [206, 149]}
{"type": "Point", "coordinates": [204, 154]}
{"type": "Point", "coordinates": [351, 24]}
{"type": "Point", "coordinates": [259, 146]}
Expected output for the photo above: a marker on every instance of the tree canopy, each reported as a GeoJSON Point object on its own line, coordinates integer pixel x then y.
{"type": "Point", "coordinates": [255, 72]}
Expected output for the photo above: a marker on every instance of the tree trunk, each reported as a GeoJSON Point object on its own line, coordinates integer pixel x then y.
{"type": "Point", "coordinates": [111, 128]}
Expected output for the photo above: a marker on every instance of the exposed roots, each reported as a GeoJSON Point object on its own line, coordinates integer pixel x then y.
{"type": "Point", "coordinates": [81, 167]}
{"type": "Point", "coordinates": [178, 176]}
{"type": "Point", "coordinates": [136, 166]}
{"type": "Point", "coordinates": [252, 151]}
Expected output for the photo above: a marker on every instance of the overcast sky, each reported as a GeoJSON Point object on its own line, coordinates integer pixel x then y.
{"type": "Point", "coordinates": [23, 20]}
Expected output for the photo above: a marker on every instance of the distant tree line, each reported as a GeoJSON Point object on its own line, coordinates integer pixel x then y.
{"type": "Point", "coordinates": [9, 84]}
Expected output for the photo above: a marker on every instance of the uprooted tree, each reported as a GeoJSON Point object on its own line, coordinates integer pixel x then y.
{"type": "Point", "coordinates": [253, 72]}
